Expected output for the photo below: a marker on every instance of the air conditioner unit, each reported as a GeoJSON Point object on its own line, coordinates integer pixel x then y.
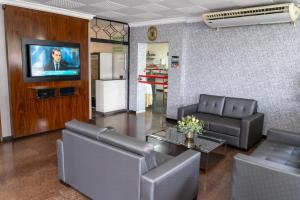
{"type": "Point", "coordinates": [271, 14]}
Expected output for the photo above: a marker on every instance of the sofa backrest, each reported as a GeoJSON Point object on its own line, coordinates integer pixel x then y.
{"type": "Point", "coordinates": [98, 168]}
{"type": "Point", "coordinates": [239, 108]}
{"type": "Point", "coordinates": [131, 144]}
{"type": "Point", "coordinates": [85, 129]}
{"type": "Point", "coordinates": [111, 137]}
{"type": "Point", "coordinates": [211, 104]}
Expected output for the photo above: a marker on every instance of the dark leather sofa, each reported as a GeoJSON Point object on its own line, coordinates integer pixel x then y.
{"type": "Point", "coordinates": [234, 119]}
{"type": "Point", "coordinates": [271, 172]}
{"type": "Point", "coordinates": [105, 165]}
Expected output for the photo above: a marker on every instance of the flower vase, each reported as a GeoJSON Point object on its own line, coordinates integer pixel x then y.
{"type": "Point", "coordinates": [189, 136]}
{"type": "Point", "coordinates": [189, 140]}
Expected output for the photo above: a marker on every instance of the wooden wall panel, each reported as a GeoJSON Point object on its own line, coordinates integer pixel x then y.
{"type": "Point", "coordinates": [30, 115]}
{"type": "Point", "coordinates": [0, 128]}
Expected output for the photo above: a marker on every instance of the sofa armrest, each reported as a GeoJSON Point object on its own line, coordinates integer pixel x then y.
{"type": "Point", "coordinates": [187, 110]}
{"type": "Point", "coordinates": [176, 179]}
{"type": "Point", "coordinates": [251, 130]}
{"type": "Point", "coordinates": [60, 160]}
{"type": "Point", "coordinates": [282, 136]}
{"type": "Point", "coordinates": [254, 178]}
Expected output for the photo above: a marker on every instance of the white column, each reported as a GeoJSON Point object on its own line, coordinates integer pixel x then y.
{"type": "Point", "coordinates": [4, 91]}
{"type": "Point", "coordinates": [141, 87]}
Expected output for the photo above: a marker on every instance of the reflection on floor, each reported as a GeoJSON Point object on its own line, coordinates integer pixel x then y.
{"type": "Point", "coordinates": [159, 103]}
{"type": "Point", "coordinates": [28, 166]}
{"type": "Point", "coordinates": [135, 125]}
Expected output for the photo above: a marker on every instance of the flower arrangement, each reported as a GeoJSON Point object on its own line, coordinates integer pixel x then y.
{"type": "Point", "coordinates": [190, 124]}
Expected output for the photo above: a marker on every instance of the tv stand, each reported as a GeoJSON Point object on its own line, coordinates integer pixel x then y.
{"type": "Point", "coordinates": [41, 92]}
{"type": "Point", "coordinates": [45, 93]}
{"type": "Point", "coordinates": [67, 91]}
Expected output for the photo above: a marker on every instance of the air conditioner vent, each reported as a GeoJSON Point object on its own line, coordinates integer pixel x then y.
{"type": "Point", "coordinates": [247, 12]}
{"type": "Point", "coordinates": [255, 15]}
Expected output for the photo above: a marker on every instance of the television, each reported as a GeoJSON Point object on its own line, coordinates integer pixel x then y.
{"type": "Point", "coordinates": [45, 60]}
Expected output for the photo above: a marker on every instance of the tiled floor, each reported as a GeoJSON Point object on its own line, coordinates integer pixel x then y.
{"type": "Point", "coordinates": [28, 167]}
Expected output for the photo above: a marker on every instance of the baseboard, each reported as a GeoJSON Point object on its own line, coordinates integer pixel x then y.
{"type": "Point", "coordinates": [171, 120]}
{"type": "Point", "coordinates": [136, 112]}
{"type": "Point", "coordinates": [7, 139]}
{"type": "Point", "coordinates": [12, 138]}
{"type": "Point", "coordinates": [111, 113]}
{"type": "Point", "coordinates": [141, 111]}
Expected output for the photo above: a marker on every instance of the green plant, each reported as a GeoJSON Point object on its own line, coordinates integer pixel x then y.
{"type": "Point", "coordinates": [190, 124]}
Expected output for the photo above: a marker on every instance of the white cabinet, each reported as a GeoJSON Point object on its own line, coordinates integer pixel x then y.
{"type": "Point", "coordinates": [110, 95]}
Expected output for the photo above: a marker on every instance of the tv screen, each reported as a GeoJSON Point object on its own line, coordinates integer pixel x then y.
{"type": "Point", "coordinates": [46, 60]}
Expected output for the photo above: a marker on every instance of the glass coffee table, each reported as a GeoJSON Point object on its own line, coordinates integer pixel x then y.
{"type": "Point", "coordinates": [205, 144]}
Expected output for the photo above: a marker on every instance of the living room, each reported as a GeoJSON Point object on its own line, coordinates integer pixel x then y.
{"type": "Point", "coordinates": [231, 64]}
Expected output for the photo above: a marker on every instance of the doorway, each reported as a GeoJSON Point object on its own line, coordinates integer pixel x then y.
{"type": "Point", "coordinates": [109, 77]}
{"type": "Point", "coordinates": [153, 65]}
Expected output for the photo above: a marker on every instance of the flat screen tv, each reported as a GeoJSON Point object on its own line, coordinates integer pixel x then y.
{"type": "Point", "coordinates": [45, 60]}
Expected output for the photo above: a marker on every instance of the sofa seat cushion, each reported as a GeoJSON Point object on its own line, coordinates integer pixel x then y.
{"type": "Point", "coordinates": [227, 126]}
{"type": "Point", "coordinates": [279, 153]}
{"type": "Point", "coordinates": [207, 118]}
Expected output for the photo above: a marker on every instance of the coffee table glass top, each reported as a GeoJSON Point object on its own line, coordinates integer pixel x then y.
{"type": "Point", "coordinates": [201, 143]}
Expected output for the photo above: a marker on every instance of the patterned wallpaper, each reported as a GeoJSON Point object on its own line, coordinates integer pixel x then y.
{"type": "Point", "coordinates": [258, 62]}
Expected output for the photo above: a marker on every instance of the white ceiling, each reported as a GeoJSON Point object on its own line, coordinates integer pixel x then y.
{"type": "Point", "coordinates": [146, 10]}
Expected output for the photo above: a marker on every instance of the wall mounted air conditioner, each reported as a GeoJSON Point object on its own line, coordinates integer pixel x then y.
{"type": "Point", "coordinates": [271, 14]}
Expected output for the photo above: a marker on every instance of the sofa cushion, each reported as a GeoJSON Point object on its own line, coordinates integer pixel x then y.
{"type": "Point", "coordinates": [279, 153]}
{"type": "Point", "coordinates": [85, 129]}
{"type": "Point", "coordinates": [132, 145]}
{"type": "Point", "coordinates": [227, 126]}
{"type": "Point", "coordinates": [207, 118]}
{"type": "Point", "coordinates": [239, 108]}
{"type": "Point", "coordinates": [211, 104]}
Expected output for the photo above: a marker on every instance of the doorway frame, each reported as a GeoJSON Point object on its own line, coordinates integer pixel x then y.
{"type": "Point", "coordinates": [107, 41]}
{"type": "Point", "coordinates": [138, 61]}
{"type": "Point", "coordinates": [98, 55]}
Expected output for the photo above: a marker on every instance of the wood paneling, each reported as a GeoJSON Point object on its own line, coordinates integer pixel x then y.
{"type": "Point", "coordinates": [0, 128]}
{"type": "Point", "coordinates": [30, 115]}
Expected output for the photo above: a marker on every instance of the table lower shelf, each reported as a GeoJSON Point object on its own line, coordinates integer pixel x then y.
{"type": "Point", "coordinates": [208, 160]}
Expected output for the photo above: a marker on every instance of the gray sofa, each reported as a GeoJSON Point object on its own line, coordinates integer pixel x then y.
{"type": "Point", "coordinates": [271, 172]}
{"type": "Point", "coordinates": [105, 165]}
{"type": "Point", "coordinates": [234, 119]}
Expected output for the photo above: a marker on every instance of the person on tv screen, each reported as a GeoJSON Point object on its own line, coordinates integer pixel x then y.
{"type": "Point", "coordinates": [56, 62]}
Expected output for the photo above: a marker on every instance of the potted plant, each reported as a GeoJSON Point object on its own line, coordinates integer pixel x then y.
{"type": "Point", "coordinates": [189, 126]}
